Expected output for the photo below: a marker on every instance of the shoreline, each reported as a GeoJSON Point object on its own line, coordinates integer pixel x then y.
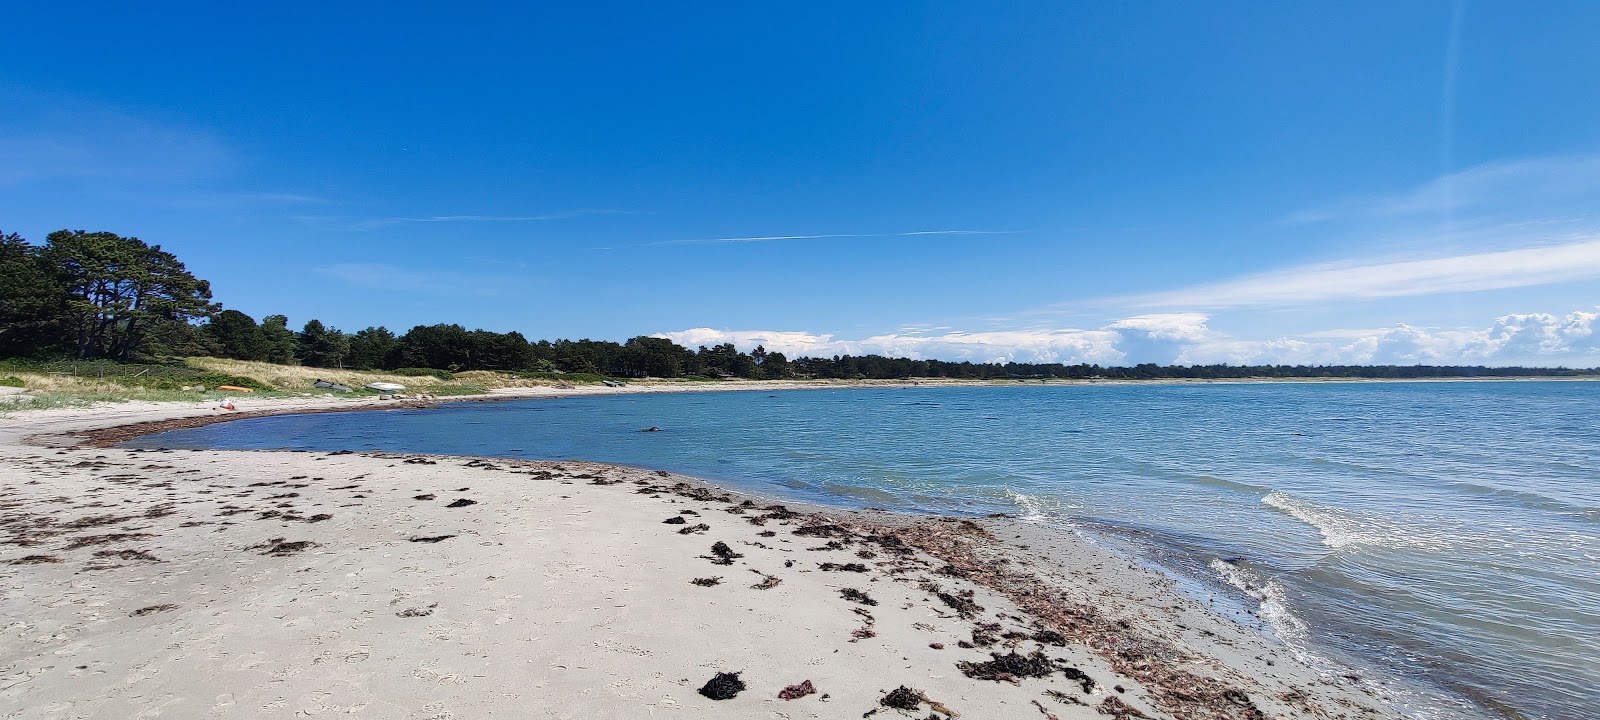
{"type": "Point", "coordinates": [110, 435]}
{"type": "Point", "coordinates": [1120, 623]}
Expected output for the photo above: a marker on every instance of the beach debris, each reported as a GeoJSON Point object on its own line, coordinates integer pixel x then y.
{"type": "Point", "coordinates": [127, 554]}
{"type": "Point", "coordinates": [723, 686]}
{"type": "Point", "coordinates": [1083, 680]}
{"type": "Point", "coordinates": [1050, 637]}
{"type": "Point", "coordinates": [768, 533]}
{"type": "Point", "coordinates": [707, 581]}
{"type": "Point", "coordinates": [417, 612]}
{"type": "Point", "coordinates": [106, 540]}
{"type": "Point", "coordinates": [721, 554]}
{"type": "Point", "coordinates": [695, 529]}
{"type": "Point", "coordinates": [1047, 714]}
{"type": "Point", "coordinates": [1012, 666]}
{"type": "Point", "coordinates": [419, 461]}
{"type": "Point", "coordinates": [1119, 709]}
{"type": "Point", "coordinates": [428, 538]}
{"type": "Point", "coordinates": [425, 496]}
{"type": "Point", "coordinates": [936, 646]}
{"type": "Point", "coordinates": [768, 582]}
{"type": "Point", "coordinates": [281, 547]}
{"type": "Point", "coordinates": [822, 531]}
{"type": "Point", "coordinates": [962, 604]}
{"type": "Point", "coordinates": [846, 567]}
{"type": "Point", "coordinates": [856, 596]}
{"type": "Point", "coordinates": [674, 520]}
{"type": "Point", "coordinates": [863, 632]}
{"type": "Point", "coordinates": [902, 698]}
{"type": "Point", "coordinates": [151, 610]}
{"type": "Point", "coordinates": [795, 692]}
{"type": "Point", "coordinates": [463, 502]}
{"type": "Point", "coordinates": [1062, 697]}
{"type": "Point", "coordinates": [34, 560]}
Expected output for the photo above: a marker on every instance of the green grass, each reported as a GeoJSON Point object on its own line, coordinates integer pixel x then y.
{"type": "Point", "coordinates": [423, 372]}
{"type": "Point", "coordinates": [11, 381]}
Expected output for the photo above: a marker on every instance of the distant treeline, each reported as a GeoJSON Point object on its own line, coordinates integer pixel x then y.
{"type": "Point", "coordinates": [99, 295]}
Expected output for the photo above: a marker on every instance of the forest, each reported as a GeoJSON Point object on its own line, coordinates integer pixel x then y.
{"type": "Point", "coordinates": [98, 295]}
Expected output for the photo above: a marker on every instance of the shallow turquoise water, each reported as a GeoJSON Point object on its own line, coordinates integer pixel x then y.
{"type": "Point", "coordinates": [1445, 532]}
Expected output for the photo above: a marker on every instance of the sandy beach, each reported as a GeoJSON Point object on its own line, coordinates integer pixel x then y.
{"type": "Point", "coordinates": [188, 584]}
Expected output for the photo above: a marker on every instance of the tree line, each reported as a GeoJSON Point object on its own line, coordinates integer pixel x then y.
{"type": "Point", "coordinates": [100, 295]}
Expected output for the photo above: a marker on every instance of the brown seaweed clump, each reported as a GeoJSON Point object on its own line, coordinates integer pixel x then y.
{"type": "Point", "coordinates": [721, 554]}
{"type": "Point", "coordinates": [707, 581]}
{"type": "Point", "coordinates": [856, 596]}
{"type": "Point", "coordinates": [795, 692]}
{"type": "Point", "coordinates": [723, 686]}
{"type": "Point", "coordinates": [1009, 667]}
{"type": "Point", "coordinates": [902, 698]}
{"type": "Point", "coordinates": [281, 547]}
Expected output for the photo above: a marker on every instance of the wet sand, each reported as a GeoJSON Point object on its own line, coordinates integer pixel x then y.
{"type": "Point", "coordinates": [190, 584]}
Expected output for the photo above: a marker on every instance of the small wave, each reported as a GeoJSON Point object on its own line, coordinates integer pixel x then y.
{"type": "Point", "coordinates": [1529, 500]}
{"type": "Point", "coordinates": [1031, 511]}
{"type": "Point", "coordinates": [1224, 483]}
{"type": "Point", "coordinates": [1274, 604]}
{"type": "Point", "coordinates": [1338, 530]}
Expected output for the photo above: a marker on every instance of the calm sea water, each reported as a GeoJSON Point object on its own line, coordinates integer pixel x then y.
{"type": "Point", "coordinates": [1447, 533]}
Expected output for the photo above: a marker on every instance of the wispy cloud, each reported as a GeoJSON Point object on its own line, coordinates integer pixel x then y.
{"type": "Point", "coordinates": [1187, 338]}
{"type": "Point", "coordinates": [775, 238]}
{"type": "Point", "coordinates": [1309, 284]}
{"type": "Point", "coordinates": [45, 137]}
{"type": "Point", "coordinates": [377, 223]}
{"type": "Point", "coordinates": [1550, 186]}
{"type": "Point", "coordinates": [393, 278]}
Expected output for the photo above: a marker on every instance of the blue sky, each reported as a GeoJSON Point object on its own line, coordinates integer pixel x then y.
{"type": "Point", "coordinates": [1114, 183]}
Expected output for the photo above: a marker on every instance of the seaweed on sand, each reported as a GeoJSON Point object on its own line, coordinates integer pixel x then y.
{"type": "Point", "coordinates": [768, 582]}
{"type": "Point", "coordinates": [964, 606]}
{"type": "Point", "coordinates": [795, 692]}
{"type": "Point", "coordinates": [723, 686]}
{"type": "Point", "coordinates": [856, 596]}
{"type": "Point", "coordinates": [707, 581]}
{"type": "Point", "coordinates": [721, 554]}
{"type": "Point", "coordinates": [846, 567]}
{"type": "Point", "coordinates": [1009, 667]}
{"type": "Point", "coordinates": [695, 529]}
{"type": "Point", "coordinates": [282, 547]}
{"type": "Point", "coordinates": [902, 698]}
{"type": "Point", "coordinates": [674, 520]}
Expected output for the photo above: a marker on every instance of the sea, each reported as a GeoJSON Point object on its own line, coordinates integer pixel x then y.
{"type": "Point", "coordinates": [1436, 541]}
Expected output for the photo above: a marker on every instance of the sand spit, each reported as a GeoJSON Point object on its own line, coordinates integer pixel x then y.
{"type": "Point", "coordinates": [189, 584]}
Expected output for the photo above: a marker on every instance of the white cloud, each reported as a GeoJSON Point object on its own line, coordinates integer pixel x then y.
{"type": "Point", "coordinates": [1387, 279]}
{"type": "Point", "coordinates": [1537, 339]}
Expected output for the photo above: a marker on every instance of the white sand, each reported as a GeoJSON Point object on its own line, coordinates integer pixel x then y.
{"type": "Point", "coordinates": [555, 597]}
